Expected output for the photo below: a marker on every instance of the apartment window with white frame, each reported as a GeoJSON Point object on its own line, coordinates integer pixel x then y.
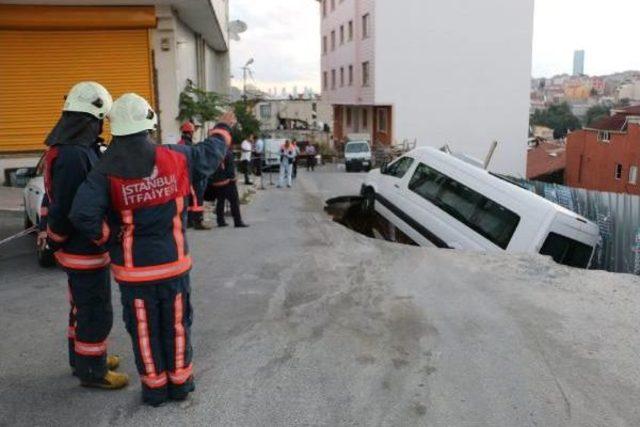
{"type": "Point", "coordinates": [324, 8]}
{"type": "Point", "coordinates": [633, 175]}
{"type": "Point", "coordinates": [325, 80]}
{"type": "Point", "coordinates": [366, 21]}
{"type": "Point", "coordinates": [604, 136]}
{"type": "Point", "coordinates": [350, 30]}
{"type": "Point", "coordinates": [265, 111]}
{"type": "Point", "coordinates": [619, 171]}
{"type": "Point", "coordinates": [333, 40]}
{"type": "Point", "coordinates": [333, 5]}
{"type": "Point", "coordinates": [365, 73]}
{"type": "Point", "coordinates": [341, 76]}
{"type": "Point", "coordinates": [350, 75]}
{"type": "Point", "coordinates": [341, 34]}
{"type": "Point", "coordinates": [333, 79]}
{"type": "Point", "coordinates": [325, 47]}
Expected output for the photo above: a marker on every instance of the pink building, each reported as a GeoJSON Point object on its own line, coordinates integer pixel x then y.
{"type": "Point", "coordinates": [348, 62]}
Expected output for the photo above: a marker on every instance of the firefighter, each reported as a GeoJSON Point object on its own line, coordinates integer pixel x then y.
{"type": "Point", "coordinates": [187, 130]}
{"type": "Point", "coordinates": [195, 215]}
{"type": "Point", "coordinates": [223, 187]}
{"type": "Point", "coordinates": [74, 148]}
{"type": "Point", "coordinates": [143, 188]}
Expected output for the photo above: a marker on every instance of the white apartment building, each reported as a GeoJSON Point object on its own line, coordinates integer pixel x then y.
{"type": "Point", "coordinates": [152, 47]}
{"type": "Point", "coordinates": [453, 72]}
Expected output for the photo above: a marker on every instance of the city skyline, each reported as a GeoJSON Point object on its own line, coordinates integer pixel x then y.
{"type": "Point", "coordinates": [286, 46]}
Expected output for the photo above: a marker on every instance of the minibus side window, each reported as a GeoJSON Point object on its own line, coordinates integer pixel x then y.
{"type": "Point", "coordinates": [486, 217]}
{"type": "Point", "coordinates": [567, 251]}
{"type": "Point", "coordinates": [399, 168]}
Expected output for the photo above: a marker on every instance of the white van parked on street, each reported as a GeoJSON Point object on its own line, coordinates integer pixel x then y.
{"type": "Point", "coordinates": [357, 156]}
{"type": "Point", "coordinates": [439, 200]}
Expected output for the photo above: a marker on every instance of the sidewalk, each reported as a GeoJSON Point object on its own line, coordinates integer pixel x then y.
{"type": "Point", "coordinates": [11, 201]}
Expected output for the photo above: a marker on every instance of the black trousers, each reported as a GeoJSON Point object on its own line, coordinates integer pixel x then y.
{"type": "Point", "coordinates": [257, 165]}
{"type": "Point", "coordinates": [246, 170]}
{"type": "Point", "coordinates": [90, 322]}
{"type": "Point", "coordinates": [295, 168]}
{"type": "Point", "coordinates": [311, 163]}
{"type": "Point", "coordinates": [222, 194]}
{"type": "Point", "coordinates": [195, 211]}
{"type": "Point", "coordinates": [158, 317]}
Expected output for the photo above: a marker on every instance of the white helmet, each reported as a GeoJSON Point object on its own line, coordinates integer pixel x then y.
{"type": "Point", "coordinates": [89, 97]}
{"type": "Point", "coordinates": [131, 114]}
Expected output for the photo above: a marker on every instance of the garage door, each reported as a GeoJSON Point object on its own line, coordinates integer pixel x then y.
{"type": "Point", "coordinates": [39, 67]}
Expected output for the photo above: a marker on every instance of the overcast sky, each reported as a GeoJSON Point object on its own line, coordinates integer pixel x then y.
{"type": "Point", "coordinates": [284, 39]}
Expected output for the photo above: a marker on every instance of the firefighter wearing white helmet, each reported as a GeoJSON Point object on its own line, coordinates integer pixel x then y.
{"type": "Point", "coordinates": [74, 148]}
{"type": "Point", "coordinates": [89, 97]}
{"type": "Point", "coordinates": [142, 188]}
{"type": "Point", "coordinates": [132, 114]}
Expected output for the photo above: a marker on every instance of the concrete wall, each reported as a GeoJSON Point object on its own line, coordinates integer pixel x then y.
{"type": "Point", "coordinates": [457, 72]}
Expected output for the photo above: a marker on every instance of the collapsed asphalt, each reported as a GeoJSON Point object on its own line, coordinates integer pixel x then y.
{"type": "Point", "coordinates": [299, 321]}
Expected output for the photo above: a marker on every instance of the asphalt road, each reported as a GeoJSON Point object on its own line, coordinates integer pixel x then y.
{"type": "Point", "coordinates": [299, 321]}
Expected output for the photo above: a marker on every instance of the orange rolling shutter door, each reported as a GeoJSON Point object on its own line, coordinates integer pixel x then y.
{"type": "Point", "coordinates": [37, 68]}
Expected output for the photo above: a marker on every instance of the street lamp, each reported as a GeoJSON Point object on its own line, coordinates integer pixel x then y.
{"type": "Point", "coordinates": [245, 70]}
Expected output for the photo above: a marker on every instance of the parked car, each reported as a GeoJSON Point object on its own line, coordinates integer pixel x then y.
{"type": "Point", "coordinates": [357, 156]}
{"type": "Point", "coordinates": [33, 194]}
{"type": "Point", "coordinates": [272, 153]}
{"type": "Point", "coordinates": [439, 200]}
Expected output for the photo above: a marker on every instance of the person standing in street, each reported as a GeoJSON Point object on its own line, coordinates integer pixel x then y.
{"type": "Point", "coordinates": [74, 149]}
{"type": "Point", "coordinates": [287, 157]}
{"type": "Point", "coordinates": [311, 153]}
{"type": "Point", "coordinates": [195, 211]}
{"type": "Point", "coordinates": [245, 158]}
{"type": "Point", "coordinates": [223, 187]}
{"type": "Point", "coordinates": [296, 153]}
{"type": "Point", "coordinates": [142, 188]}
{"type": "Point", "coordinates": [187, 130]}
{"type": "Point", "coordinates": [259, 156]}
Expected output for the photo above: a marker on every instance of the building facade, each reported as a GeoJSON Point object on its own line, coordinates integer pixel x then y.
{"type": "Point", "coordinates": [606, 156]}
{"type": "Point", "coordinates": [454, 73]}
{"type": "Point", "coordinates": [149, 47]}
{"type": "Point", "coordinates": [293, 114]}
{"type": "Point", "coordinates": [578, 63]}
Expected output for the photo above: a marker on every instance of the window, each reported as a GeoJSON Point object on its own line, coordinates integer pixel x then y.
{"type": "Point", "coordinates": [382, 120]}
{"type": "Point", "coordinates": [365, 26]}
{"type": "Point", "coordinates": [567, 251]}
{"type": "Point", "coordinates": [350, 30]}
{"type": "Point", "coordinates": [365, 73]}
{"type": "Point", "coordinates": [333, 79]}
{"type": "Point", "coordinates": [350, 75]}
{"type": "Point", "coordinates": [341, 76]}
{"type": "Point", "coordinates": [365, 119]}
{"type": "Point", "coordinates": [356, 147]}
{"type": "Point", "coordinates": [325, 47]}
{"type": "Point", "coordinates": [399, 168]}
{"type": "Point", "coordinates": [265, 111]}
{"type": "Point", "coordinates": [325, 80]}
{"type": "Point", "coordinates": [633, 175]}
{"type": "Point", "coordinates": [618, 172]}
{"type": "Point", "coordinates": [484, 216]}
{"type": "Point", "coordinates": [341, 34]}
{"type": "Point", "coordinates": [324, 8]}
{"type": "Point", "coordinates": [333, 40]}
{"type": "Point", "coordinates": [604, 136]}
{"type": "Point", "coordinates": [348, 116]}
{"type": "Point", "coordinates": [333, 4]}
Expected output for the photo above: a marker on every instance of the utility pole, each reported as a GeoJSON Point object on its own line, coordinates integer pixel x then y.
{"type": "Point", "coordinates": [245, 70]}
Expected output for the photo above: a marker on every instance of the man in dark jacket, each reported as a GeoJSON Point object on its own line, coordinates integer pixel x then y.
{"type": "Point", "coordinates": [142, 190]}
{"type": "Point", "coordinates": [195, 215]}
{"type": "Point", "coordinates": [223, 187]}
{"type": "Point", "coordinates": [73, 150]}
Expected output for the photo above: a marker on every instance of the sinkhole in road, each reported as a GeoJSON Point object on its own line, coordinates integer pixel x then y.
{"type": "Point", "coordinates": [350, 212]}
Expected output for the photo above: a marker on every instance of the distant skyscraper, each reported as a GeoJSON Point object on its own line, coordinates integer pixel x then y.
{"type": "Point", "coordinates": [578, 63]}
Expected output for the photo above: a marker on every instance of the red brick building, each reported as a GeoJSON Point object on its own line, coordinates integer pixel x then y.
{"type": "Point", "coordinates": [546, 161]}
{"type": "Point", "coordinates": [606, 156]}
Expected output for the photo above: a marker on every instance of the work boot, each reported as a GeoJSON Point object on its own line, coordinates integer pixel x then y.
{"type": "Point", "coordinates": [201, 225]}
{"type": "Point", "coordinates": [113, 362]}
{"type": "Point", "coordinates": [182, 392]}
{"type": "Point", "coordinates": [223, 224]}
{"type": "Point", "coordinates": [241, 225]}
{"type": "Point", "coordinates": [111, 381]}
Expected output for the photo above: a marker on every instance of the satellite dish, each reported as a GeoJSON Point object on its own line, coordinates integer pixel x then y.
{"type": "Point", "coordinates": [236, 28]}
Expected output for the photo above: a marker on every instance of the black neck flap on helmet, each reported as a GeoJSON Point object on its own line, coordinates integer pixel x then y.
{"type": "Point", "coordinates": [75, 128]}
{"type": "Point", "coordinates": [129, 157]}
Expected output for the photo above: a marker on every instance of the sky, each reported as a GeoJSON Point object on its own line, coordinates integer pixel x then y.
{"type": "Point", "coordinates": [284, 39]}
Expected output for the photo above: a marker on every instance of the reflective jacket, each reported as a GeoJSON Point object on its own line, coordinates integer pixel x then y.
{"type": "Point", "coordinates": [66, 168]}
{"type": "Point", "coordinates": [147, 216]}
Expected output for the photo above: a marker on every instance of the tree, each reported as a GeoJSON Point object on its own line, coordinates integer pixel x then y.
{"type": "Point", "coordinates": [557, 117]}
{"type": "Point", "coordinates": [248, 124]}
{"type": "Point", "coordinates": [199, 105]}
{"type": "Point", "coordinates": [595, 114]}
